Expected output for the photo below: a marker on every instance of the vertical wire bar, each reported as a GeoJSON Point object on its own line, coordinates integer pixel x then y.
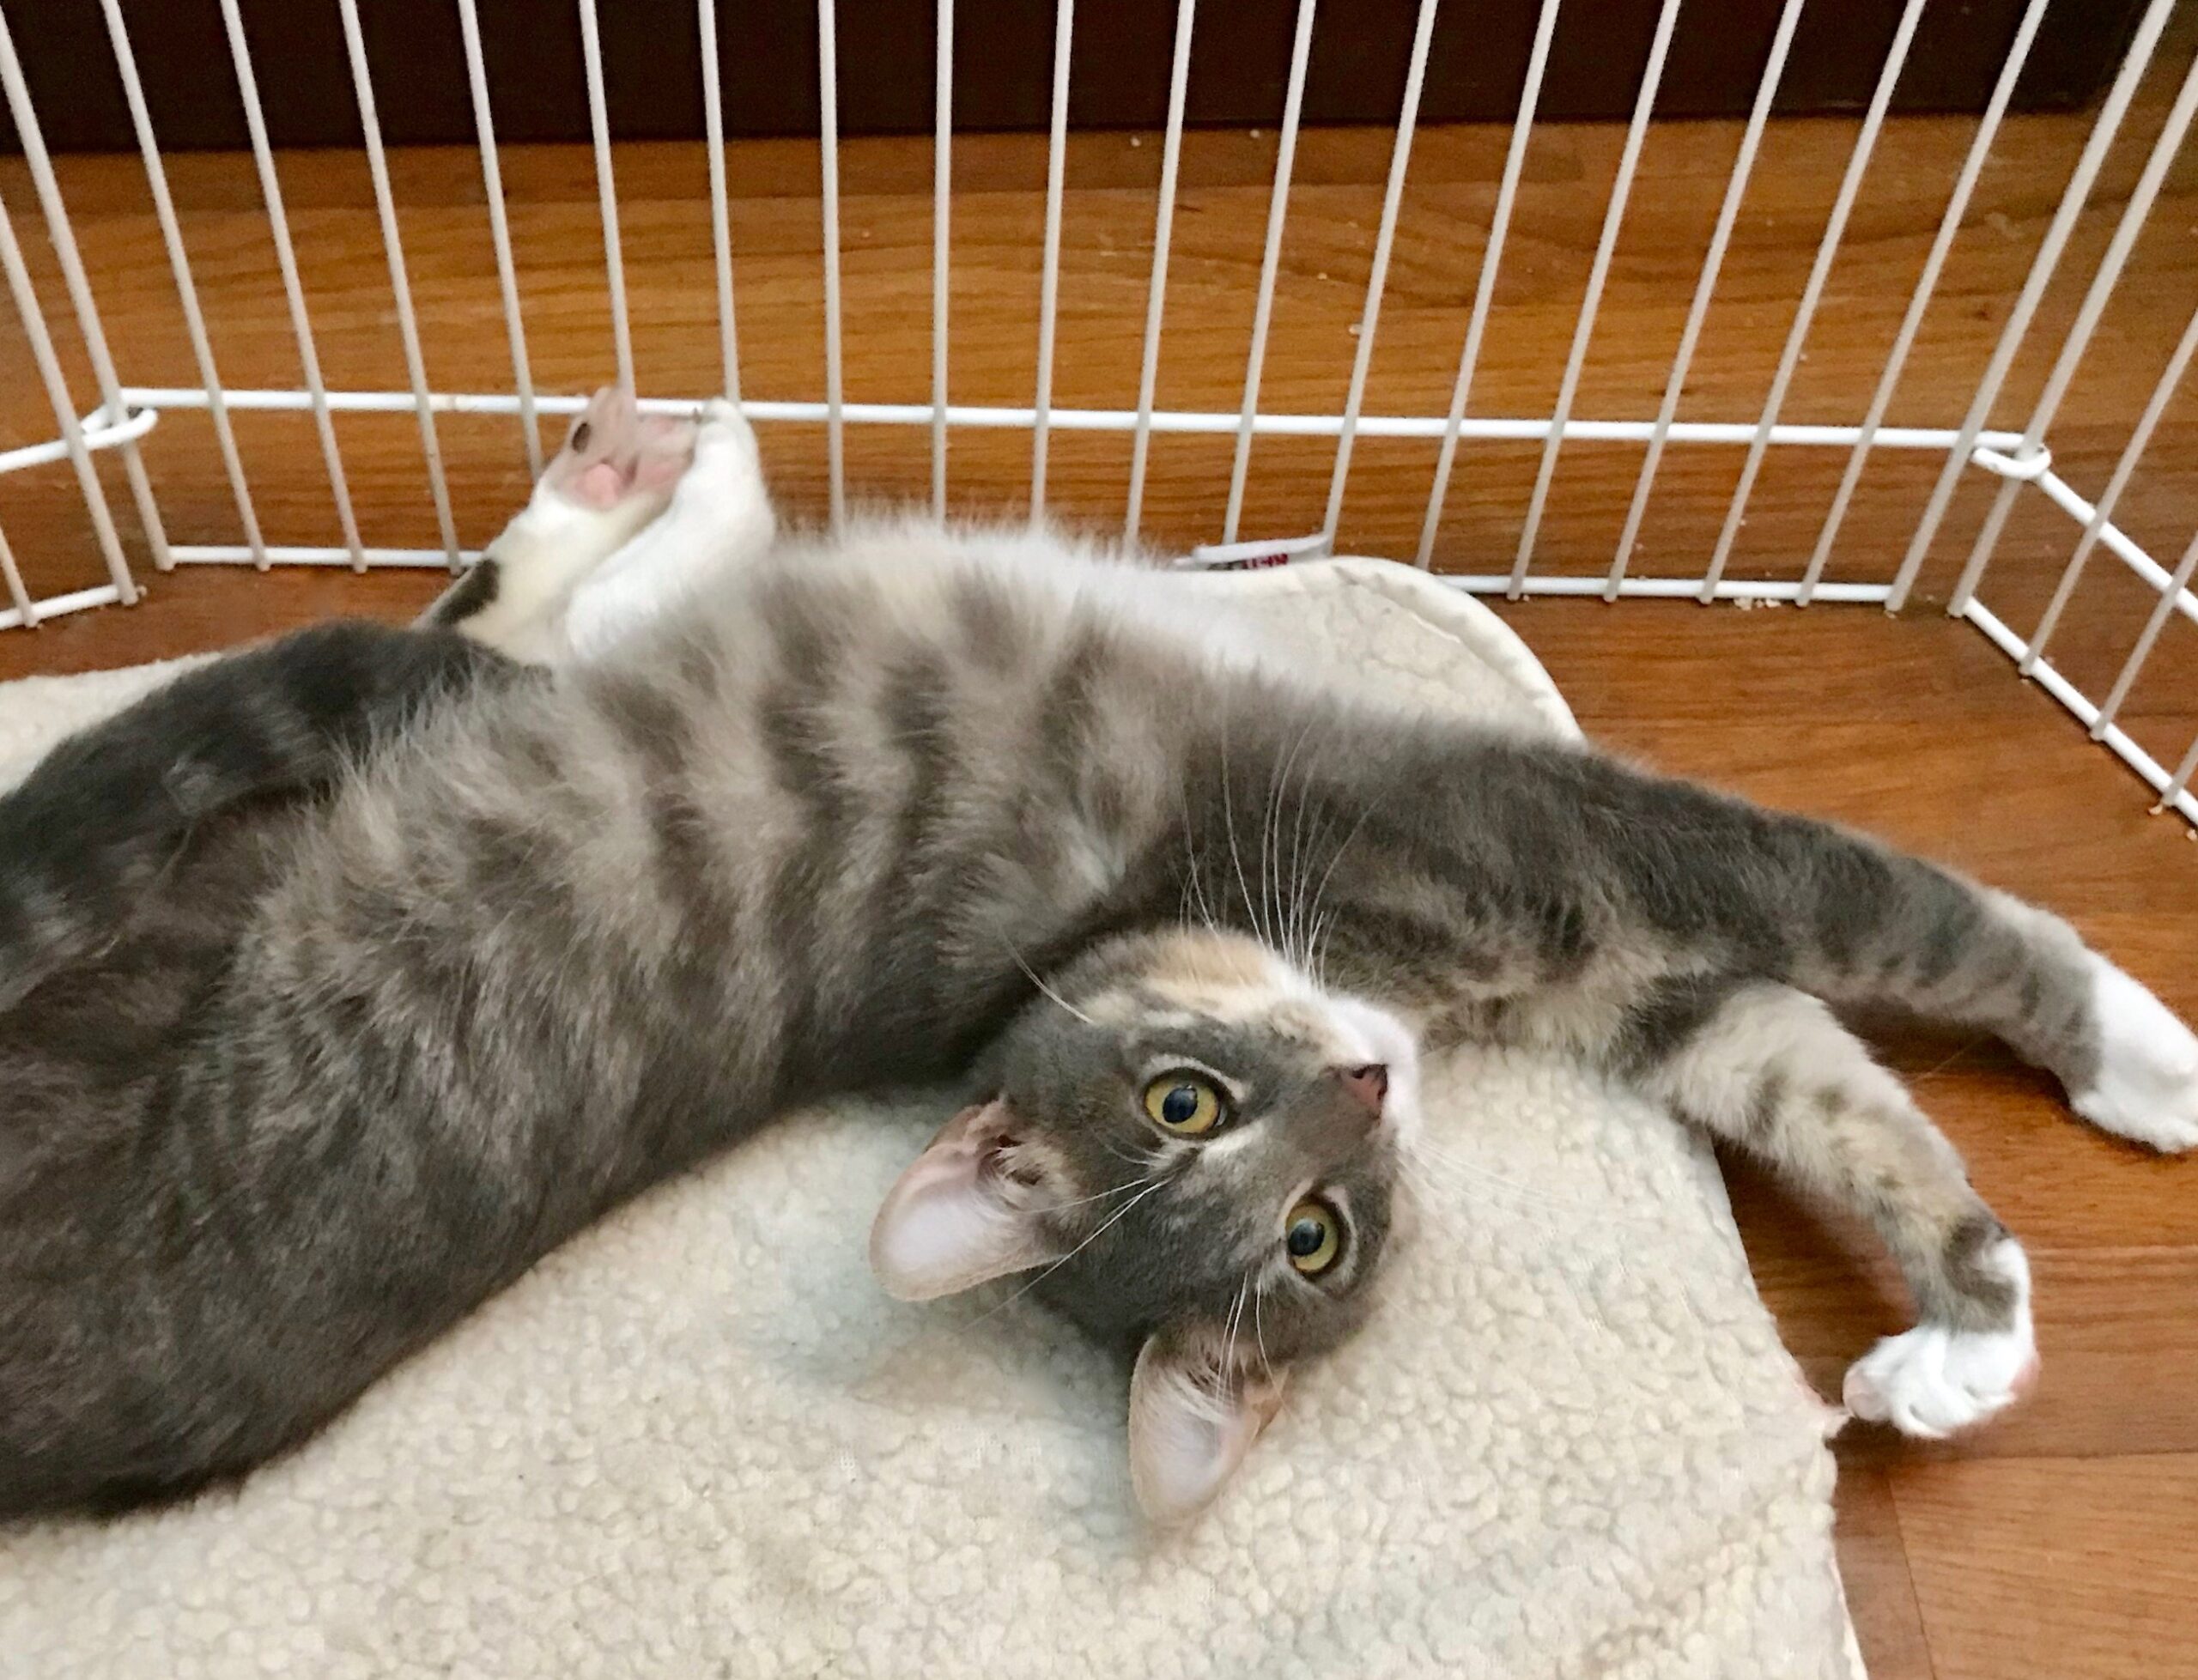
{"type": "Point", "coordinates": [400, 284]}
{"type": "Point", "coordinates": [2139, 440]}
{"type": "Point", "coordinates": [606, 193]}
{"type": "Point", "coordinates": [2073, 197]}
{"type": "Point", "coordinates": [492, 186]}
{"type": "Point", "coordinates": [1927, 285]}
{"type": "Point", "coordinates": [2178, 581]}
{"type": "Point", "coordinates": [1285, 157]}
{"type": "Point", "coordinates": [2079, 338]}
{"type": "Point", "coordinates": [1499, 228]}
{"type": "Point", "coordinates": [1156, 294]}
{"type": "Point", "coordinates": [1377, 278]}
{"type": "Point", "coordinates": [194, 320]}
{"type": "Point", "coordinates": [706, 19]}
{"type": "Point", "coordinates": [828, 88]}
{"type": "Point", "coordinates": [1834, 230]}
{"type": "Point", "coordinates": [1706, 287]}
{"type": "Point", "coordinates": [26, 609]}
{"type": "Point", "coordinates": [2183, 774]}
{"type": "Point", "coordinates": [40, 342]}
{"type": "Point", "coordinates": [64, 238]}
{"type": "Point", "coordinates": [286, 259]}
{"type": "Point", "coordinates": [1050, 278]}
{"type": "Point", "coordinates": [942, 201]}
{"type": "Point", "coordinates": [1652, 75]}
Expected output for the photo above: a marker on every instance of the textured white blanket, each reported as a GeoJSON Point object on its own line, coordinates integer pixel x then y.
{"type": "Point", "coordinates": [699, 1441]}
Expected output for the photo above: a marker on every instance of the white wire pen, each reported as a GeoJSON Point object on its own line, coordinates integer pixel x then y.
{"type": "Point", "coordinates": [1377, 278]}
{"type": "Point", "coordinates": [828, 90]}
{"type": "Point", "coordinates": [1049, 281]}
{"type": "Point", "coordinates": [942, 204]}
{"type": "Point", "coordinates": [1157, 294]}
{"type": "Point", "coordinates": [1927, 285]}
{"type": "Point", "coordinates": [2141, 440]}
{"type": "Point", "coordinates": [606, 194]}
{"type": "Point", "coordinates": [1499, 228]}
{"type": "Point", "coordinates": [1293, 103]}
{"type": "Point", "coordinates": [64, 237]}
{"type": "Point", "coordinates": [194, 320]}
{"type": "Point", "coordinates": [1644, 105]}
{"type": "Point", "coordinates": [400, 285]}
{"type": "Point", "coordinates": [41, 343]}
{"type": "Point", "coordinates": [2079, 338]}
{"type": "Point", "coordinates": [2065, 216]}
{"type": "Point", "coordinates": [500, 232]}
{"type": "Point", "coordinates": [1834, 230]}
{"type": "Point", "coordinates": [1706, 287]}
{"type": "Point", "coordinates": [286, 260]}
{"type": "Point", "coordinates": [706, 22]}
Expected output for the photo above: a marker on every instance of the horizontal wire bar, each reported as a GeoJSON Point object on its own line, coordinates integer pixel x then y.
{"type": "Point", "coordinates": [1680, 588]}
{"type": "Point", "coordinates": [100, 595]}
{"type": "Point", "coordinates": [1099, 420]}
{"type": "Point", "coordinates": [2113, 737]}
{"type": "Point", "coordinates": [97, 434]}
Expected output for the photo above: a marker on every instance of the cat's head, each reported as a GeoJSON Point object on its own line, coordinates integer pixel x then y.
{"type": "Point", "coordinates": [1194, 1149]}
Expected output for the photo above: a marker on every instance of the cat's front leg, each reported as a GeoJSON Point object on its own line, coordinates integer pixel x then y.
{"type": "Point", "coordinates": [1769, 1071]}
{"type": "Point", "coordinates": [720, 519]}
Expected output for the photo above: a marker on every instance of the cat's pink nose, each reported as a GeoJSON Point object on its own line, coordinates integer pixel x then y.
{"type": "Point", "coordinates": [1370, 1084]}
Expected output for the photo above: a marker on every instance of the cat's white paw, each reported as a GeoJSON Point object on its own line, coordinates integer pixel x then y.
{"type": "Point", "coordinates": [726, 454]}
{"type": "Point", "coordinates": [2146, 1086]}
{"type": "Point", "coordinates": [1931, 1381]}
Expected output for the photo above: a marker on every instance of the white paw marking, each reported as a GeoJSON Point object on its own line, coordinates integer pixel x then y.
{"type": "Point", "coordinates": [2147, 1088]}
{"type": "Point", "coordinates": [1930, 1381]}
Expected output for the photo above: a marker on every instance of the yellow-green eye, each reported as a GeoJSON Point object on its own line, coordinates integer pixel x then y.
{"type": "Point", "coordinates": [1183, 1103]}
{"type": "Point", "coordinates": [1312, 1237]}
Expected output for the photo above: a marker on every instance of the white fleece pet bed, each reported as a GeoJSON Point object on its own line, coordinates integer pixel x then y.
{"type": "Point", "coordinates": [701, 1440]}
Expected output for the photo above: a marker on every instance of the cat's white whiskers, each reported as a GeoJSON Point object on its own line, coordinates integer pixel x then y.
{"type": "Point", "coordinates": [1031, 974]}
{"type": "Point", "coordinates": [1114, 1220]}
{"type": "Point", "coordinates": [1259, 1329]}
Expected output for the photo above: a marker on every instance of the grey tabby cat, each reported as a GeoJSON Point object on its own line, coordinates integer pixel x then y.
{"type": "Point", "coordinates": [883, 809]}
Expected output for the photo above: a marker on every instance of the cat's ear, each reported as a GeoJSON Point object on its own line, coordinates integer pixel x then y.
{"type": "Point", "coordinates": [962, 1214]}
{"type": "Point", "coordinates": [1194, 1414]}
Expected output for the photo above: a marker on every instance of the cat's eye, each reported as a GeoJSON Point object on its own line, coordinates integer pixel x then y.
{"type": "Point", "coordinates": [1312, 1237]}
{"type": "Point", "coordinates": [1185, 1103]}
{"type": "Point", "coordinates": [582, 433]}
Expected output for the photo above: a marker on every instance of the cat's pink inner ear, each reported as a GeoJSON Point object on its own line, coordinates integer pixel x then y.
{"type": "Point", "coordinates": [953, 1220]}
{"type": "Point", "coordinates": [1192, 1417]}
{"type": "Point", "coordinates": [602, 486]}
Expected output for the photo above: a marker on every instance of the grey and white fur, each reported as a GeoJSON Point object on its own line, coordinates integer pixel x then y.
{"type": "Point", "coordinates": [886, 808]}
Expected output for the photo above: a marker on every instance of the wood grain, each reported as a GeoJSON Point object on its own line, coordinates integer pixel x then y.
{"type": "Point", "coordinates": [2054, 1567]}
{"type": "Point", "coordinates": [2038, 1547]}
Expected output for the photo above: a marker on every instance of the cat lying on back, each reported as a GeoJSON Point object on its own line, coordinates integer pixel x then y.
{"type": "Point", "coordinates": [791, 817]}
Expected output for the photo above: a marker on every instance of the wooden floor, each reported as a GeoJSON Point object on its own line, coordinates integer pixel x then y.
{"type": "Point", "coordinates": [2058, 1543]}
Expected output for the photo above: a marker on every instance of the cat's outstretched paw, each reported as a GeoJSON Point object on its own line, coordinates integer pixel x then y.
{"type": "Point", "coordinates": [1932, 1380]}
{"type": "Point", "coordinates": [2147, 1084]}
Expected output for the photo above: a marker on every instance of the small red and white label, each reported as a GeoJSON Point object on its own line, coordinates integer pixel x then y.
{"type": "Point", "coordinates": [1253, 557]}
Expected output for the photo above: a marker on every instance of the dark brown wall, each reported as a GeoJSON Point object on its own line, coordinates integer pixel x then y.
{"type": "Point", "coordinates": [1002, 75]}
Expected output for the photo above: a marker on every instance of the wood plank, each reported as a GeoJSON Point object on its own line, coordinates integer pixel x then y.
{"type": "Point", "coordinates": [1880, 1592]}
{"type": "Point", "coordinates": [2046, 1569]}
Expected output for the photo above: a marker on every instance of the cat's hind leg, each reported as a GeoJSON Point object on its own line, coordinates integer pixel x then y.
{"type": "Point", "coordinates": [720, 519]}
{"type": "Point", "coordinates": [1770, 1070]}
{"type": "Point", "coordinates": [614, 474]}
